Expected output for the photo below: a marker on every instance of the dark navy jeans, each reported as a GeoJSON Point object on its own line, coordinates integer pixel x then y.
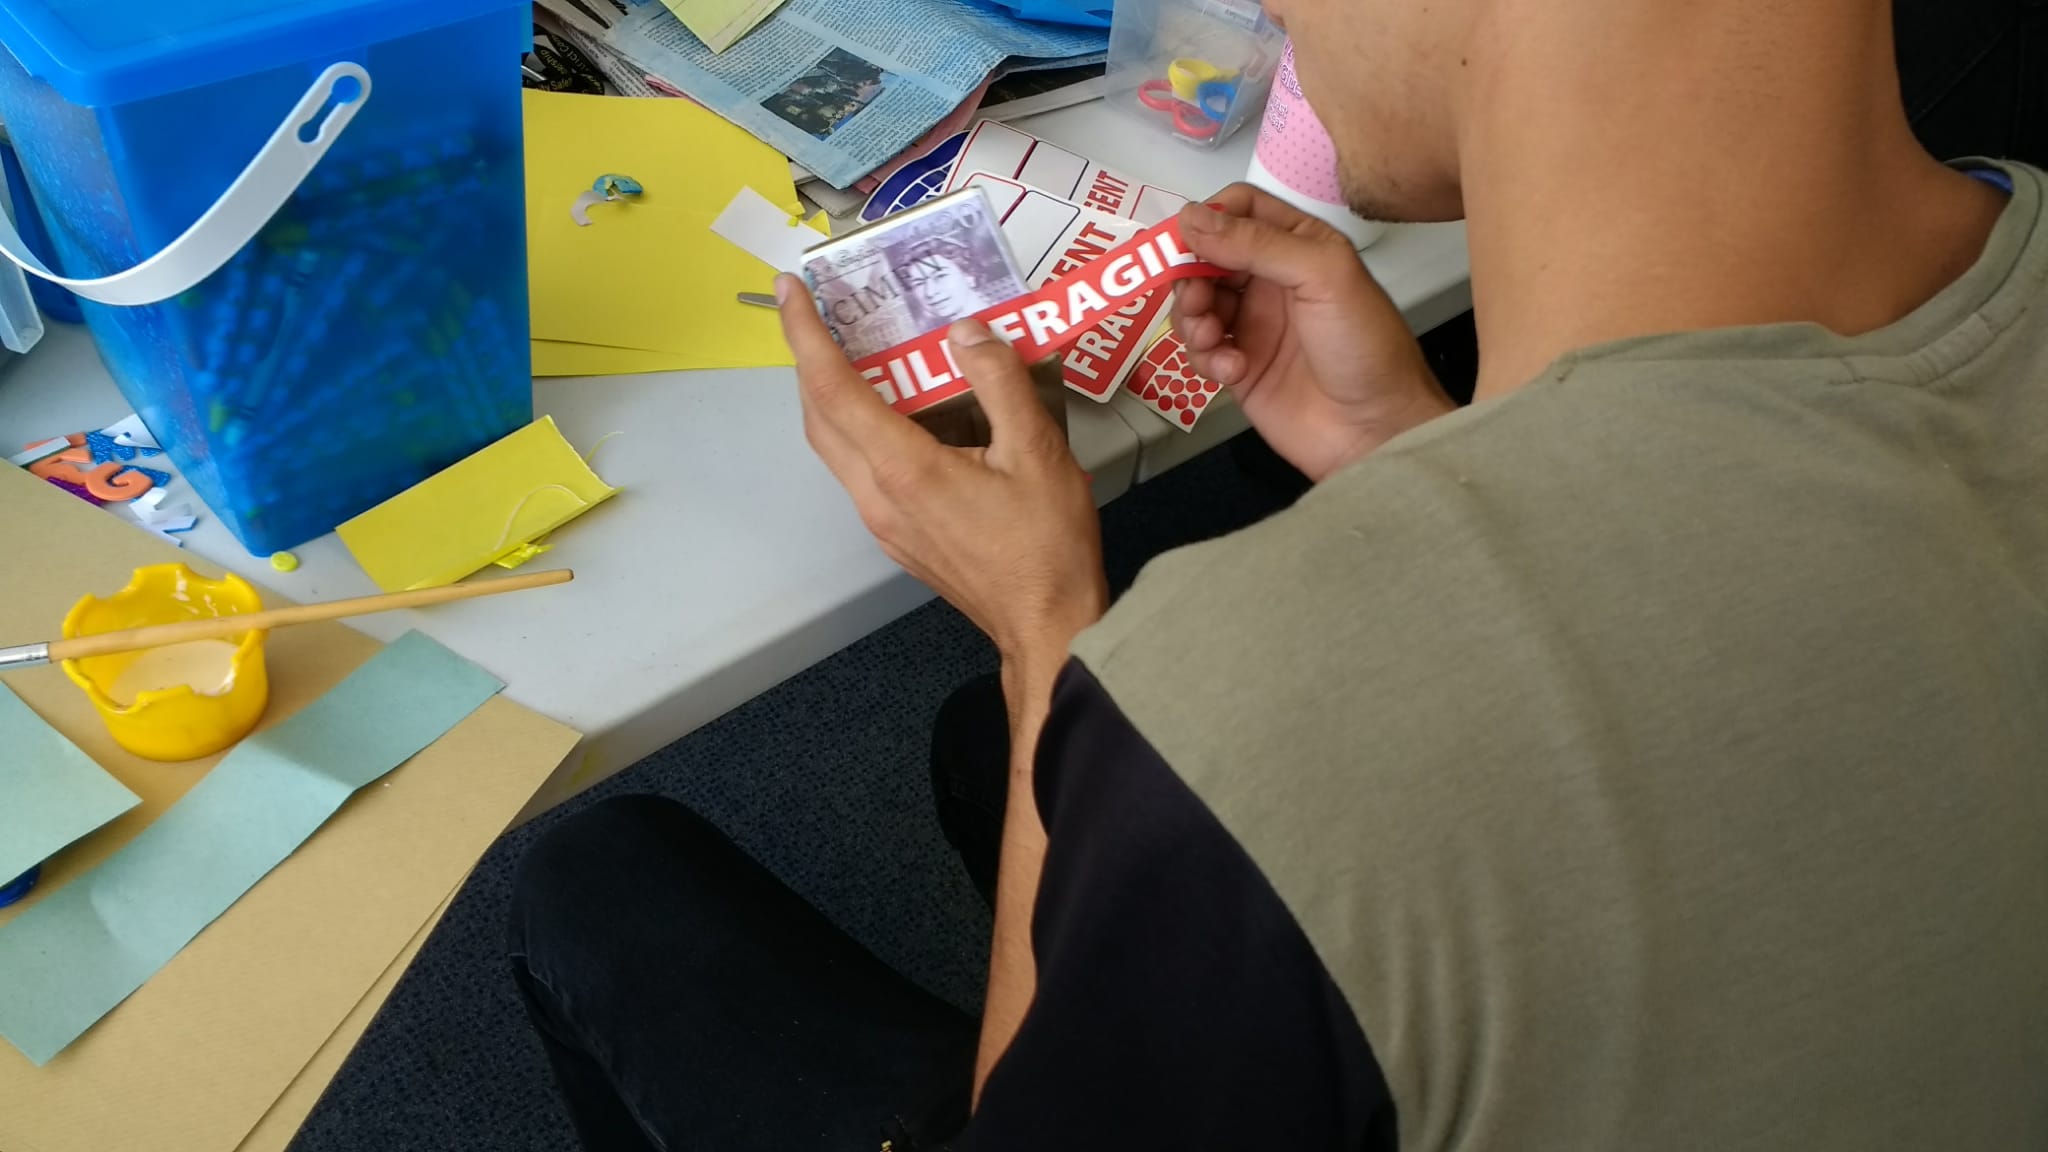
{"type": "Point", "coordinates": [688, 1000]}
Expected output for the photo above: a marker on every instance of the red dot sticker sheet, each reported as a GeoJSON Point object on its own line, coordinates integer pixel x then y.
{"type": "Point", "coordinates": [1169, 385]}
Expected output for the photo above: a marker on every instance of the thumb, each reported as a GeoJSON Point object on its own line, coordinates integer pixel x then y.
{"type": "Point", "coordinates": [802, 327]}
{"type": "Point", "coordinates": [1017, 420]}
{"type": "Point", "coordinates": [1292, 253]}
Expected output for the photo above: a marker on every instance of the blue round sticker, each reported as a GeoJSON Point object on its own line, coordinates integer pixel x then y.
{"type": "Point", "coordinates": [915, 182]}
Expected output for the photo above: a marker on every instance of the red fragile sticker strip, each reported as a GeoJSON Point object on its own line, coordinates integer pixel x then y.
{"type": "Point", "coordinates": [919, 373]}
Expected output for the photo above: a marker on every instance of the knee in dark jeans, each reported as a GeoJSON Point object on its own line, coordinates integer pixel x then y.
{"type": "Point", "coordinates": [572, 872]}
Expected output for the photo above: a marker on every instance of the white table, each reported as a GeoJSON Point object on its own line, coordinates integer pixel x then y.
{"type": "Point", "coordinates": [732, 560]}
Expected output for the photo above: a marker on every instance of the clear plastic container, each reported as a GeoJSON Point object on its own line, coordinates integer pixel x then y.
{"type": "Point", "coordinates": [1196, 69]}
{"type": "Point", "coordinates": [374, 328]}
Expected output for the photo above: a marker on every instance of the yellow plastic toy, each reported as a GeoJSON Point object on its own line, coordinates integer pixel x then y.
{"type": "Point", "coordinates": [1187, 74]}
{"type": "Point", "coordinates": [182, 701]}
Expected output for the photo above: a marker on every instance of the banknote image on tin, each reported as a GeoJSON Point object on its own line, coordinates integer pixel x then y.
{"type": "Point", "coordinates": [912, 273]}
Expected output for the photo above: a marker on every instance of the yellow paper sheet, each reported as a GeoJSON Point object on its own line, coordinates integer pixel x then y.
{"type": "Point", "coordinates": [468, 515]}
{"type": "Point", "coordinates": [647, 273]}
{"type": "Point", "coordinates": [720, 23]}
{"type": "Point", "coordinates": [561, 358]}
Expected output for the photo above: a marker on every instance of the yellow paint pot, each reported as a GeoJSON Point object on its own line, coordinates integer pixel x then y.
{"type": "Point", "coordinates": [182, 701]}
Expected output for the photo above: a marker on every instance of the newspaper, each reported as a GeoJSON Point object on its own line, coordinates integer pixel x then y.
{"type": "Point", "coordinates": [839, 88]}
{"type": "Point", "coordinates": [556, 64]}
{"type": "Point", "coordinates": [618, 73]}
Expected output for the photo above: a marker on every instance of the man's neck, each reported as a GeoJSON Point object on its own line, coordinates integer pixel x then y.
{"type": "Point", "coordinates": [1631, 169]}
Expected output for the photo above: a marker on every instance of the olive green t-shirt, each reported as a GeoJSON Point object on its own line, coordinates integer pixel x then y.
{"type": "Point", "coordinates": [1657, 757]}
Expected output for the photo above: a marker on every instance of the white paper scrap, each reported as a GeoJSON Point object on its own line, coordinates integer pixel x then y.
{"type": "Point", "coordinates": [130, 433]}
{"type": "Point", "coordinates": [764, 231]}
{"type": "Point", "coordinates": [162, 516]}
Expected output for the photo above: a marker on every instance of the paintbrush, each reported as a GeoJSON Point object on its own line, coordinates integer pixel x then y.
{"type": "Point", "coordinates": [229, 627]}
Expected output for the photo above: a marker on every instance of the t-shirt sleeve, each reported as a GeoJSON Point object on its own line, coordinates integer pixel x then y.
{"type": "Point", "coordinates": [1179, 1005]}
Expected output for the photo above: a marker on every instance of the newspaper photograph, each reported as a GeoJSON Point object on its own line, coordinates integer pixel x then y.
{"type": "Point", "coordinates": [838, 88]}
{"type": "Point", "coordinates": [913, 273]}
{"type": "Point", "coordinates": [834, 91]}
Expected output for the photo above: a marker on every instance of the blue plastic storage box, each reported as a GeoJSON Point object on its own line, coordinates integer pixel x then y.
{"type": "Point", "coordinates": [368, 326]}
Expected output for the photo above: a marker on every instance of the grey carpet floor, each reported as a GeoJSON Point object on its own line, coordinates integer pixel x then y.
{"type": "Point", "coordinates": [823, 779]}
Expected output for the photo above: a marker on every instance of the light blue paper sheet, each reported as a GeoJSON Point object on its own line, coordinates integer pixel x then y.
{"type": "Point", "coordinates": [50, 792]}
{"type": "Point", "coordinates": [70, 959]}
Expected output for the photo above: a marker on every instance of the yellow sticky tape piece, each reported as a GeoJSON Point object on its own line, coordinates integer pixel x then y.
{"type": "Point", "coordinates": [522, 554]}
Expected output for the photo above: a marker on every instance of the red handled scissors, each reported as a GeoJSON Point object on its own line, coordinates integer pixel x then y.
{"type": "Point", "coordinates": [1189, 120]}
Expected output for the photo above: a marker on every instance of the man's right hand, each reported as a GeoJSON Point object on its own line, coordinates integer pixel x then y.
{"type": "Point", "coordinates": [1313, 349]}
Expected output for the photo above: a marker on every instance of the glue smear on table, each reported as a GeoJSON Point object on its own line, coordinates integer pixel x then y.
{"type": "Point", "coordinates": [207, 665]}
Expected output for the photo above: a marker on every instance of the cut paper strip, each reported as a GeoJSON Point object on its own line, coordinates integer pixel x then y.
{"type": "Point", "coordinates": [491, 505]}
{"type": "Point", "coordinates": [35, 452]}
{"type": "Point", "coordinates": [563, 358]}
{"type": "Point", "coordinates": [73, 957]}
{"type": "Point", "coordinates": [50, 792]}
{"type": "Point", "coordinates": [919, 373]}
{"type": "Point", "coordinates": [766, 232]}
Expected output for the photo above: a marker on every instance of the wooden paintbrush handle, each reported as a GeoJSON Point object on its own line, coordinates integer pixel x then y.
{"type": "Point", "coordinates": [227, 627]}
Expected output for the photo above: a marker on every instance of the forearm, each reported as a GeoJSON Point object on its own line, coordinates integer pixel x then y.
{"type": "Point", "coordinates": [1013, 973]}
{"type": "Point", "coordinates": [1411, 399]}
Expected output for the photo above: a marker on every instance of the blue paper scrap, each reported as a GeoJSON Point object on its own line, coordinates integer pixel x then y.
{"type": "Point", "coordinates": [72, 958]}
{"type": "Point", "coordinates": [50, 792]}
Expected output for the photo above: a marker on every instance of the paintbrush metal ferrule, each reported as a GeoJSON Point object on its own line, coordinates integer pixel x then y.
{"type": "Point", "coordinates": [24, 656]}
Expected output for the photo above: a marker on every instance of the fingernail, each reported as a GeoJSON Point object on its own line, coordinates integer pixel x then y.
{"type": "Point", "coordinates": [783, 285]}
{"type": "Point", "coordinates": [968, 333]}
{"type": "Point", "coordinates": [1203, 218]}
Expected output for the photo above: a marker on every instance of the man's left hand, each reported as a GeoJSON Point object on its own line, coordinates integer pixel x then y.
{"type": "Point", "coordinates": [1007, 534]}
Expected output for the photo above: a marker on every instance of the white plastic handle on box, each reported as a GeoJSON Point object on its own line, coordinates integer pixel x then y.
{"type": "Point", "coordinates": [21, 323]}
{"type": "Point", "coordinates": [240, 213]}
